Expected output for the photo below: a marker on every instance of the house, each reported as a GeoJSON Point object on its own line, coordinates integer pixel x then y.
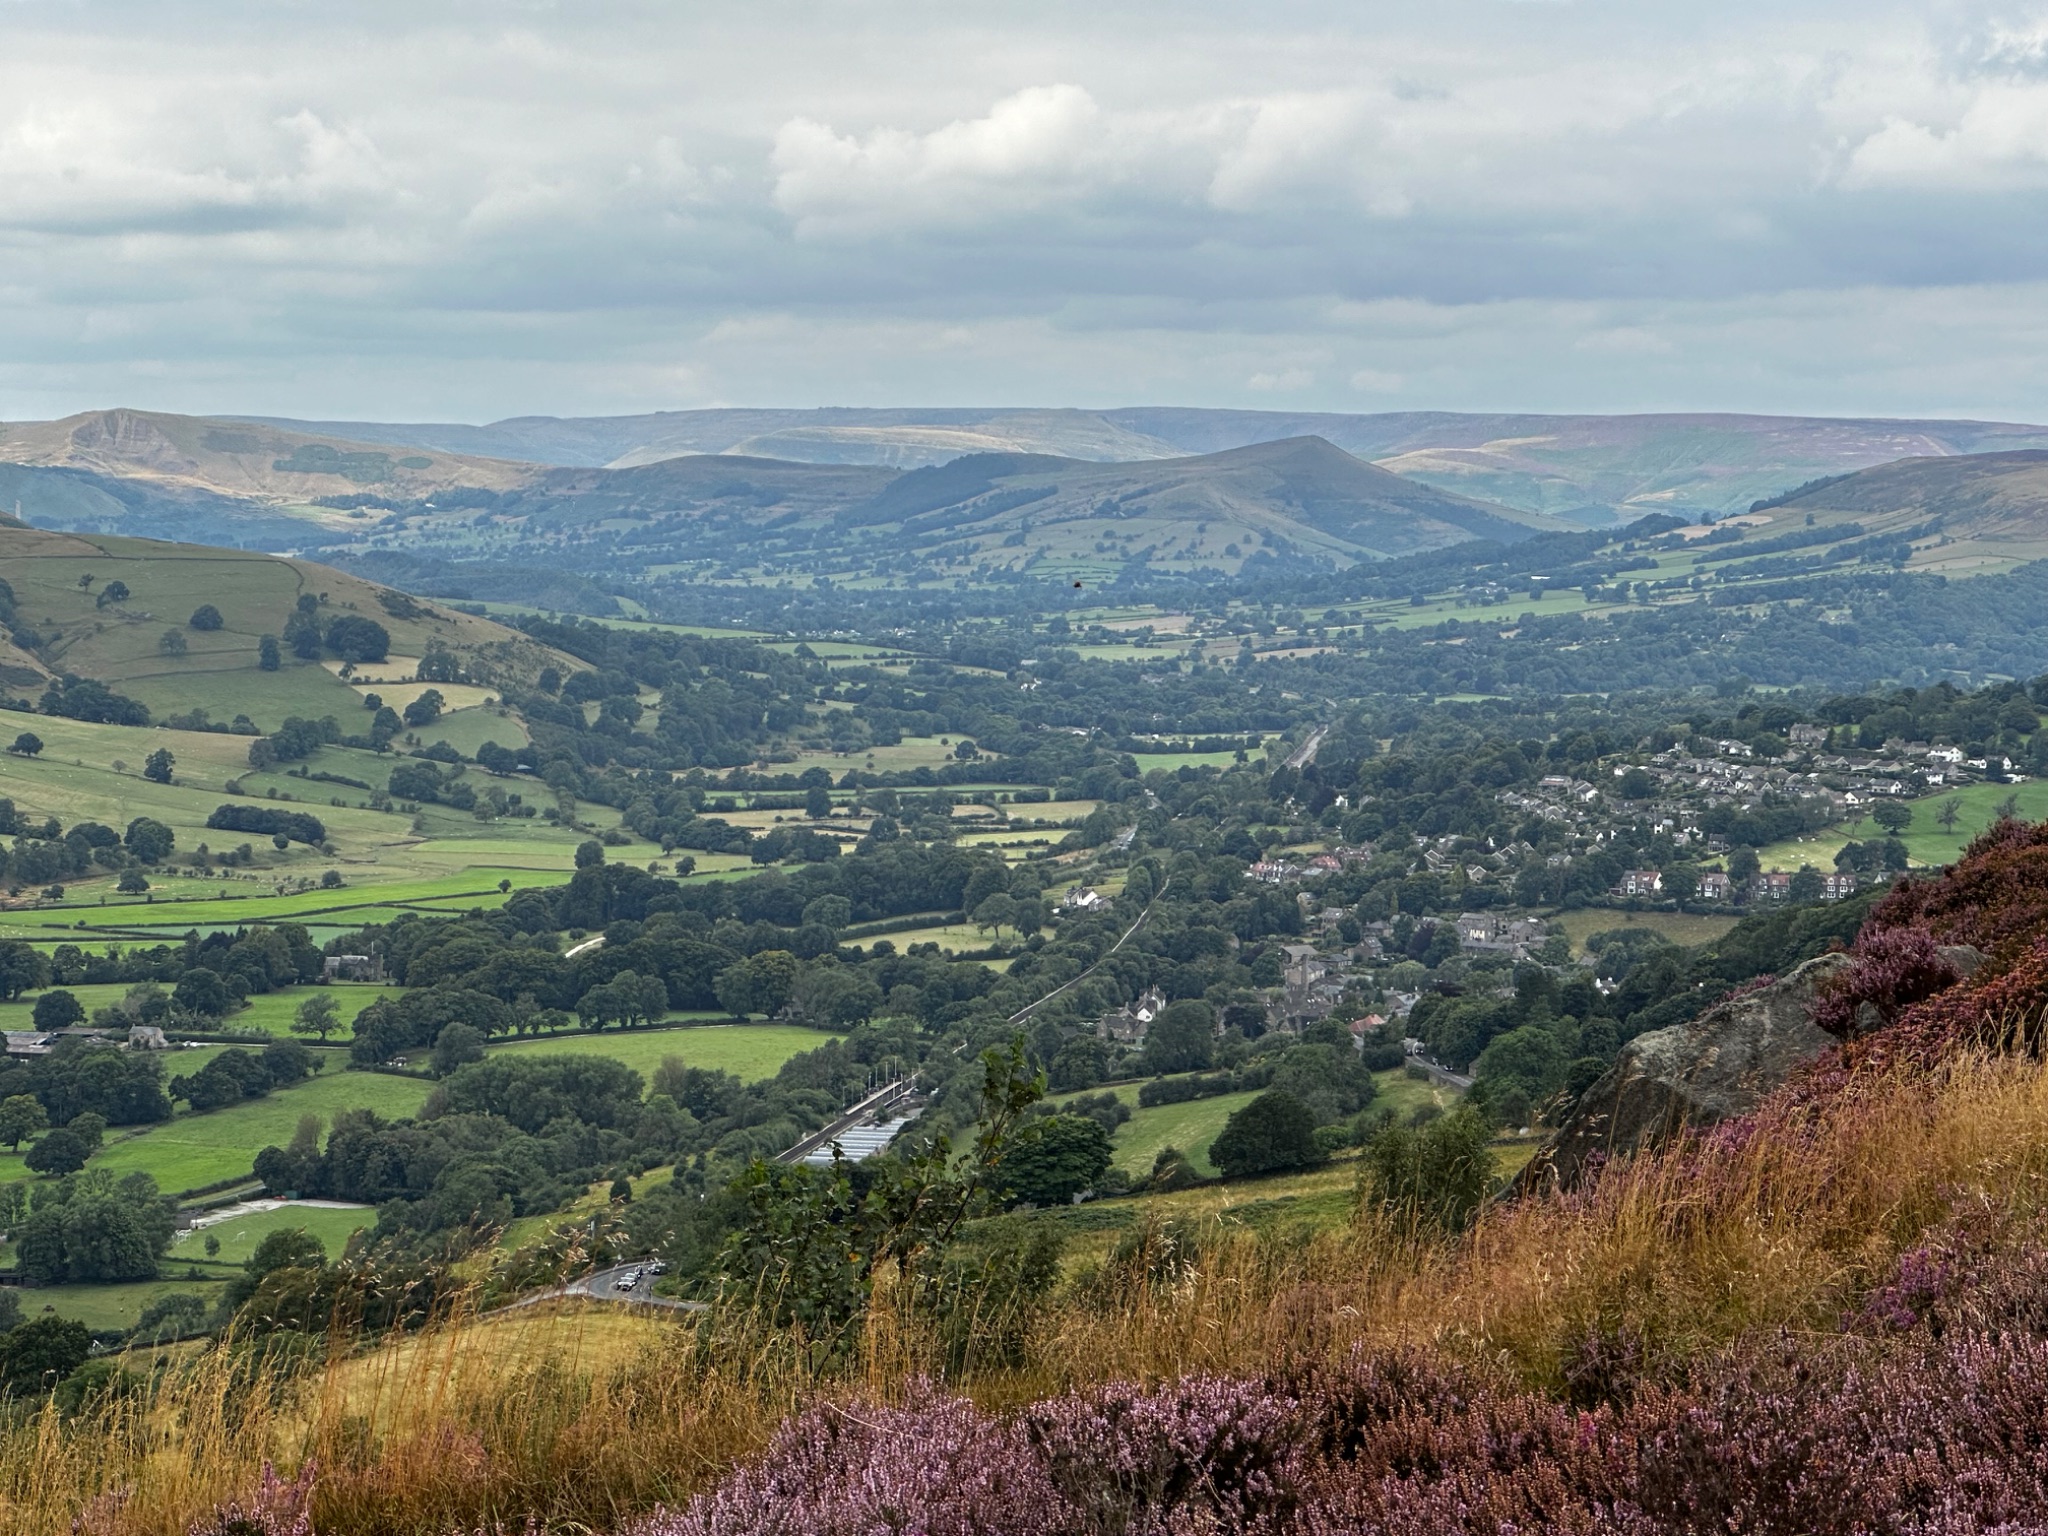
{"type": "Point", "coordinates": [1640, 882]}
{"type": "Point", "coordinates": [1082, 899]}
{"type": "Point", "coordinates": [1838, 885]}
{"type": "Point", "coordinates": [353, 968]}
{"type": "Point", "coordinates": [1953, 756]}
{"type": "Point", "coordinates": [147, 1037]}
{"type": "Point", "coordinates": [1715, 886]}
{"type": "Point", "coordinates": [1128, 1025]}
{"type": "Point", "coordinates": [1274, 872]}
{"type": "Point", "coordinates": [1774, 886]}
{"type": "Point", "coordinates": [1808, 735]}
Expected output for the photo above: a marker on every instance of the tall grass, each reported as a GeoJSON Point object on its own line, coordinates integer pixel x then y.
{"type": "Point", "coordinates": [582, 1417]}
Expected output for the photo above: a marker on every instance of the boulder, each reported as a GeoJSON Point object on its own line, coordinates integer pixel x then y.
{"type": "Point", "coordinates": [1712, 1068]}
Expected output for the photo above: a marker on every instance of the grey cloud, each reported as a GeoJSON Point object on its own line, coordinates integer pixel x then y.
{"type": "Point", "coordinates": [464, 209]}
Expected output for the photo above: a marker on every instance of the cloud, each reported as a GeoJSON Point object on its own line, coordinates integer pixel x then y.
{"type": "Point", "coordinates": [456, 210]}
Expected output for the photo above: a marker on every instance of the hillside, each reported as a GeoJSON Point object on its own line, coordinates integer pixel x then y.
{"type": "Point", "coordinates": [1592, 468]}
{"type": "Point", "coordinates": [985, 515]}
{"type": "Point", "coordinates": [1963, 516]}
{"type": "Point", "coordinates": [150, 473]}
{"type": "Point", "coordinates": [65, 622]}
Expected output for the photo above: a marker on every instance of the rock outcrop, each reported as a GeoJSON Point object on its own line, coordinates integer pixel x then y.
{"type": "Point", "coordinates": [1712, 1068]}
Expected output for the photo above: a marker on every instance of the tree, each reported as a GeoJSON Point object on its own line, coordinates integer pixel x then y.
{"type": "Point", "coordinates": [60, 1152]}
{"type": "Point", "coordinates": [1806, 885]}
{"type": "Point", "coordinates": [1892, 816]}
{"type": "Point", "coordinates": [269, 654]}
{"type": "Point", "coordinates": [1273, 1132]}
{"type": "Point", "coordinates": [113, 592]}
{"type": "Point", "coordinates": [354, 638]}
{"type": "Point", "coordinates": [457, 1045]}
{"type": "Point", "coordinates": [132, 882]}
{"type": "Point", "coordinates": [21, 1116]}
{"type": "Point", "coordinates": [172, 642]}
{"type": "Point", "coordinates": [205, 618]}
{"type": "Point", "coordinates": [27, 744]}
{"type": "Point", "coordinates": [818, 802]}
{"type": "Point", "coordinates": [1182, 1038]}
{"type": "Point", "coordinates": [1056, 1159]}
{"type": "Point", "coordinates": [158, 765]}
{"type": "Point", "coordinates": [201, 991]}
{"type": "Point", "coordinates": [589, 854]}
{"type": "Point", "coordinates": [1744, 866]}
{"type": "Point", "coordinates": [150, 841]}
{"type": "Point", "coordinates": [425, 709]}
{"type": "Point", "coordinates": [1437, 1175]}
{"type": "Point", "coordinates": [1949, 814]}
{"type": "Point", "coordinates": [22, 969]}
{"type": "Point", "coordinates": [996, 912]}
{"type": "Point", "coordinates": [38, 1355]}
{"type": "Point", "coordinates": [318, 1015]}
{"type": "Point", "coordinates": [57, 1010]}
{"type": "Point", "coordinates": [759, 984]}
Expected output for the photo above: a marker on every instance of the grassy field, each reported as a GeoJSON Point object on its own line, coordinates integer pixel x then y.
{"type": "Point", "coordinates": [190, 1151]}
{"type": "Point", "coordinates": [104, 1308]}
{"type": "Point", "coordinates": [748, 1051]}
{"type": "Point", "coordinates": [1926, 843]}
{"type": "Point", "coordinates": [1679, 927]}
{"type": "Point", "coordinates": [270, 1013]}
{"type": "Point", "coordinates": [951, 937]}
{"type": "Point", "coordinates": [238, 1237]}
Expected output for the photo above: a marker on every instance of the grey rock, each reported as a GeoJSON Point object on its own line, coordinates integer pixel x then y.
{"type": "Point", "coordinates": [1716, 1067]}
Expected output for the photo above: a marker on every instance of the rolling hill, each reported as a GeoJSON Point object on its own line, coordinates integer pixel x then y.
{"type": "Point", "coordinates": [1036, 515]}
{"type": "Point", "coordinates": [66, 620]}
{"type": "Point", "coordinates": [1963, 516]}
{"type": "Point", "coordinates": [1592, 469]}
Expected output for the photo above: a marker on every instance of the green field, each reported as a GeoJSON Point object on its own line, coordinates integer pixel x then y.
{"type": "Point", "coordinates": [239, 1236]}
{"type": "Point", "coordinates": [1926, 843]}
{"type": "Point", "coordinates": [268, 1013]}
{"type": "Point", "coordinates": [1679, 927]}
{"type": "Point", "coordinates": [748, 1051]}
{"type": "Point", "coordinates": [191, 1151]}
{"type": "Point", "coordinates": [104, 1308]}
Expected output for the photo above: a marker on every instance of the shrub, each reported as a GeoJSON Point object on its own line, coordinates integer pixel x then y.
{"type": "Point", "coordinates": [1275, 1131]}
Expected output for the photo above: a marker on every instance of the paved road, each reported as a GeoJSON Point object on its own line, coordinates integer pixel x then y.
{"type": "Point", "coordinates": [1443, 1075]}
{"type": "Point", "coordinates": [604, 1286]}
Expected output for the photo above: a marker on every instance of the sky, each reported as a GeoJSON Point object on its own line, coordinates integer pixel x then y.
{"type": "Point", "coordinates": [442, 210]}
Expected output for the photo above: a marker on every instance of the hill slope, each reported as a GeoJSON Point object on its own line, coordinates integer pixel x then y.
{"type": "Point", "coordinates": [1968, 515]}
{"type": "Point", "coordinates": [1594, 467]}
{"type": "Point", "coordinates": [65, 622]}
{"type": "Point", "coordinates": [1036, 514]}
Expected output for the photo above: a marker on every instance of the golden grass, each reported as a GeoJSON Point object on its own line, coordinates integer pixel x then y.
{"type": "Point", "coordinates": [577, 1417]}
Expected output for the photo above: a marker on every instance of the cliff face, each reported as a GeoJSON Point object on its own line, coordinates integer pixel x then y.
{"type": "Point", "coordinates": [1712, 1068]}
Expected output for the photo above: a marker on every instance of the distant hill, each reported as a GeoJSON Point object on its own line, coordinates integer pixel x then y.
{"type": "Point", "coordinates": [1980, 513]}
{"type": "Point", "coordinates": [1031, 515]}
{"type": "Point", "coordinates": [1590, 469]}
{"type": "Point", "coordinates": [238, 457]}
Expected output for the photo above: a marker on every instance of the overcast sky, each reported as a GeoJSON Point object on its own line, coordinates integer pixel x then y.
{"type": "Point", "coordinates": [471, 210]}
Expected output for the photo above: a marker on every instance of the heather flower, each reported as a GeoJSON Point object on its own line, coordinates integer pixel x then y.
{"type": "Point", "coordinates": [278, 1508]}
{"type": "Point", "coordinates": [1894, 968]}
{"type": "Point", "coordinates": [937, 1466]}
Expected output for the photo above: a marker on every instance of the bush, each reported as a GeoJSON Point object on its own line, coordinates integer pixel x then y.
{"type": "Point", "coordinates": [205, 618]}
{"type": "Point", "coordinates": [1276, 1131]}
{"type": "Point", "coordinates": [1437, 1175]}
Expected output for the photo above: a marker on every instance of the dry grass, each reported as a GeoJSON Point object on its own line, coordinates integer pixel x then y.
{"type": "Point", "coordinates": [578, 1418]}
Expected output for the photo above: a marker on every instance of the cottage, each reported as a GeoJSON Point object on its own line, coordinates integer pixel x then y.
{"type": "Point", "coordinates": [353, 968]}
{"type": "Point", "coordinates": [1715, 886]}
{"type": "Point", "coordinates": [1129, 1024]}
{"type": "Point", "coordinates": [1640, 882]}
{"type": "Point", "coordinates": [1082, 899]}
